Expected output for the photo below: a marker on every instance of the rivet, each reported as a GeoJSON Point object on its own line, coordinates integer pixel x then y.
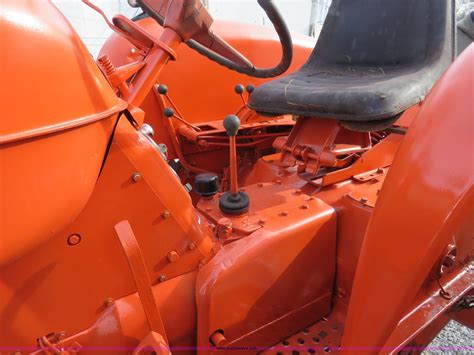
{"type": "Point", "coordinates": [284, 213]}
{"type": "Point", "coordinates": [172, 256]}
{"type": "Point", "coordinates": [165, 214]}
{"type": "Point", "coordinates": [162, 278]}
{"type": "Point", "coordinates": [136, 177]}
{"type": "Point", "coordinates": [260, 184]}
{"type": "Point", "coordinates": [74, 239]}
{"type": "Point", "coordinates": [363, 200]}
{"type": "Point", "coordinates": [304, 207]}
{"type": "Point", "coordinates": [279, 181]}
{"type": "Point", "coordinates": [109, 302]}
{"type": "Point", "coordinates": [191, 246]}
{"type": "Point", "coordinates": [262, 221]}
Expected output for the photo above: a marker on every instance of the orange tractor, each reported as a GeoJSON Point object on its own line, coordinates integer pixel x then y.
{"type": "Point", "coordinates": [152, 202]}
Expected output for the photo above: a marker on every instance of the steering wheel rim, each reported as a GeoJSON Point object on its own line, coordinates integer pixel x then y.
{"type": "Point", "coordinates": [245, 66]}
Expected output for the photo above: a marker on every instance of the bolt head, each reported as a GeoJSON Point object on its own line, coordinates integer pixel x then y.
{"type": "Point", "coordinates": [74, 239]}
{"type": "Point", "coordinates": [250, 88]}
{"type": "Point", "coordinates": [172, 256]}
{"type": "Point", "coordinates": [166, 214]}
{"type": "Point", "coordinates": [136, 177]}
{"type": "Point", "coordinates": [109, 302]}
{"type": "Point", "coordinates": [147, 130]}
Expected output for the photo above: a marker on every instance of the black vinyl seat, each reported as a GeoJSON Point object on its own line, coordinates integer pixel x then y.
{"type": "Point", "coordinates": [373, 60]}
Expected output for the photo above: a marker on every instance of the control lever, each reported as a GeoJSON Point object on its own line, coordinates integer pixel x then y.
{"type": "Point", "coordinates": [233, 202]}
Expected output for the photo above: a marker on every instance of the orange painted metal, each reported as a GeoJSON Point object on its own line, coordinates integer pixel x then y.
{"type": "Point", "coordinates": [268, 281]}
{"type": "Point", "coordinates": [408, 231]}
{"type": "Point", "coordinates": [58, 111]}
{"type": "Point", "coordinates": [381, 238]}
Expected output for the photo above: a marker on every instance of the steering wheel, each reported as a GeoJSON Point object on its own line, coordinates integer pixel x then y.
{"type": "Point", "coordinates": [192, 22]}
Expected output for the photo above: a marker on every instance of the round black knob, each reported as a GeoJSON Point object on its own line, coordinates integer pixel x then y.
{"type": "Point", "coordinates": [234, 204]}
{"type": "Point", "coordinates": [163, 89]}
{"type": "Point", "coordinates": [239, 89]}
{"type": "Point", "coordinates": [207, 184]}
{"type": "Point", "coordinates": [168, 112]}
{"type": "Point", "coordinates": [250, 88]}
{"type": "Point", "coordinates": [231, 125]}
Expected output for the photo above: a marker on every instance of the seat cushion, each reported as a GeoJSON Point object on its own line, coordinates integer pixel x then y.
{"type": "Point", "coordinates": [356, 95]}
{"type": "Point", "coordinates": [373, 60]}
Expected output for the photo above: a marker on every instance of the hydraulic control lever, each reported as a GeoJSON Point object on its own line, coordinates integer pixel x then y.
{"type": "Point", "coordinates": [233, 202]}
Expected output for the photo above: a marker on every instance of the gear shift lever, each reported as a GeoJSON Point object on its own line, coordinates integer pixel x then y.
{"type": "Point", "coordinates": [233, 202]}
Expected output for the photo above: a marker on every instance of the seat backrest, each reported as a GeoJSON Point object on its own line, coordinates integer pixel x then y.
{"type": "Point", "coordinates": [393, 33]}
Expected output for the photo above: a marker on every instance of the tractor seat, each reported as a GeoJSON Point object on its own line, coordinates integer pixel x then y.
{"type": "Point", "coordinates": [373, 60]}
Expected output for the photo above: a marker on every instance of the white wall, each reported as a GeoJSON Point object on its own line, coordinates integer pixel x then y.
{"type": "Point", "coordinates": [93, 30]}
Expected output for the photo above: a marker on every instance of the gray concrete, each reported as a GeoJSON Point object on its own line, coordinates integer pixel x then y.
{"type": "Point", "coordinates": [455, 336]}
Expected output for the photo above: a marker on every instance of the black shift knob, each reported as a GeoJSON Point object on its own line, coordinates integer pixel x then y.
{"type": "Point", "coordinates": [231, 125]}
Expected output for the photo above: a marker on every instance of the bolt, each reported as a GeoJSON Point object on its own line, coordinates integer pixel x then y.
{"type": "Point", "coordinates": [224, 228]}
{"type": "Point", "coordinates": [305, 206]}
{"type": "Point", "coordinates": [341, 293]}
{"type": "Point", "coordinates": [284, 213]}
{"type": "Point", "coordinates": [109, 302]}
{"type": "Point", "coordinates": [136, 177]}
{"type": "Point", "coordinates": [162, 278]}
{"type": "Point", "coordinates": [217, 338]}
{"type": "Point", "coordinates": [74, 239]}
{"type": "Point", "coordinates": [172, 256]}
{"type": "Point", "coordinates": [298, 192]}
{"type": "Point", "coordinates": [262, 221]}
{"type": "Point", "coordinates": [310, 199]}
{"type": "Point", "coordinates": [279, 181]}
{"type": "Point", "coordinates": [260, 184]}
{"type": "Point", "coordinates": [208, 209]}
{"type": "Point", "coordinates": [191, 246]}
{"type": "Point", "coordinates": [61, 335]}
{"type": "Point", "coordinates": [165, 214]}
{"type": "Point", "coordinates": [380, 171]}
{"type": "Point", "coordinates": [363, 200]}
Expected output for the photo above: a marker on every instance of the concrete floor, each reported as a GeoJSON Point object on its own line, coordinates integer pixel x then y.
{"type": "Point", "coordinates": [453, 339]}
